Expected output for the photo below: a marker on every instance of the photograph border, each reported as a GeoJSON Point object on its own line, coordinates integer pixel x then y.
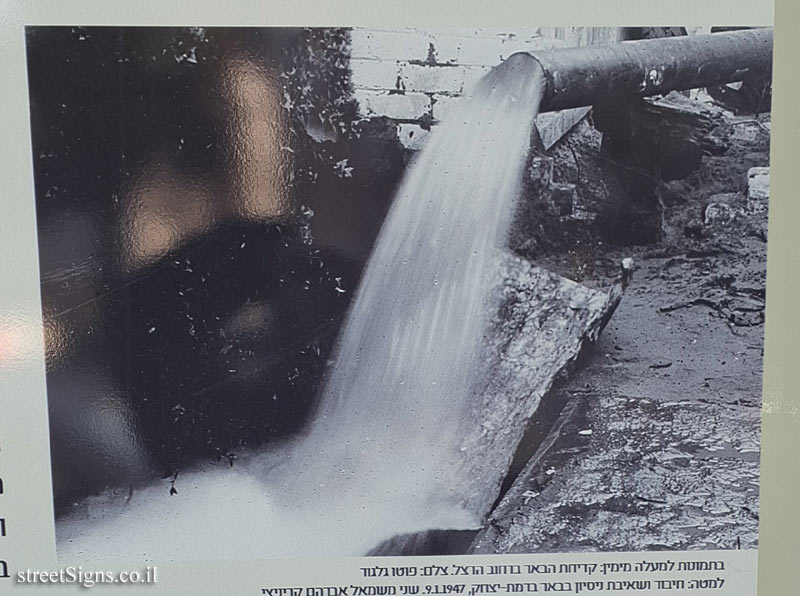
{"type": "Point", "coordinates": [26, 502]}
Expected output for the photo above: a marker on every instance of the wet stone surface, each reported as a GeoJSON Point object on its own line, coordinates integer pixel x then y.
{"type": "Point", "coordinates": [651, 476]}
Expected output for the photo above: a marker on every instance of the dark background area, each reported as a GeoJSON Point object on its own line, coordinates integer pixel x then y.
{"type": "Point", "coordinates": [198, 249]}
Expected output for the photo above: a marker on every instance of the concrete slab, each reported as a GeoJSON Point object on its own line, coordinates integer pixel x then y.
{"type": "Point", "coordinates": [543, 324]}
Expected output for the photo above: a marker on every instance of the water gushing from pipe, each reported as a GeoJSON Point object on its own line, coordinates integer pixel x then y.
{"type": "Point", "coordinates": [380, 457]}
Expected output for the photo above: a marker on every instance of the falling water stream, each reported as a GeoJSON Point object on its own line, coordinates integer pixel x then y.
{"type": "Point", "coordinates": [378, 458]}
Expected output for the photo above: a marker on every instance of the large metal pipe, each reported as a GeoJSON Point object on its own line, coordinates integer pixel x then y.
{"type": "Point", "coordinates": [588, 75]}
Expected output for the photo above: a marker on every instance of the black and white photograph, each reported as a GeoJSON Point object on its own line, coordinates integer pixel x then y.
{"type": "Point", "coordinates": [348, 291]}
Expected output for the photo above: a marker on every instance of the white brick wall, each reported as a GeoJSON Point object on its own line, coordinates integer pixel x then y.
{"type": "Point", "coordinates": [410, 75]}
{"type": "Point", "coordinates": [409, 106]}
{"type": "Point", "coordinates": [394, 75]}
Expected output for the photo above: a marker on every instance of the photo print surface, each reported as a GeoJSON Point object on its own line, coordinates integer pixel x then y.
{"type": "Point", "coordinates": [315, 292]}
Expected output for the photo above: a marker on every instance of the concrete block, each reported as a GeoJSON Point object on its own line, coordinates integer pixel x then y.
{"type": "Point", "coordinates": [445, 46]}
{"type": "Point", "coordinates": [758, 184]}
{"type": "Point", "coordinates": [375, 74]}
{"type": "Point", "coordinates": [433, 79]}
{"type": "Point", "coordinates": [383, 75]}
{"type": "Point", "coordinates": [546, 320]}
{"type": "Point", "coordinates": [409, 106]}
